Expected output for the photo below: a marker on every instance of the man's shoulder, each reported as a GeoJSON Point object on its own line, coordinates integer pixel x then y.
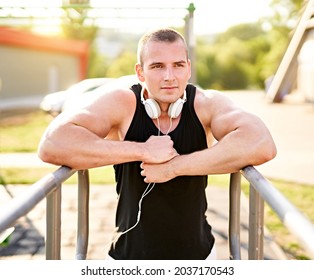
{"type": "Point", "coordinates": [113, 91]}
{"type": "Point", "coordinates": [208, 94]}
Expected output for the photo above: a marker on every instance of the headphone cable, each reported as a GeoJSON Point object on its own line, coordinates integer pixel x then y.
{"type": "Point", "coordinates": [148, 189]}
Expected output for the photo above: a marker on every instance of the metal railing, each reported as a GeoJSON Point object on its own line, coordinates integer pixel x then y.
{"type": "Point", "coordinates": [260, 190]}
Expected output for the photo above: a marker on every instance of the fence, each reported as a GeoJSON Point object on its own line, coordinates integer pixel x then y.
{"type": "Point", "coordinates": [260, 190]}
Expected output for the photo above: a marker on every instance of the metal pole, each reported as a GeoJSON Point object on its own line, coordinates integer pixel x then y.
{"type": "Point", "coordinates": [256, 226]}
{"type": "Point", "coordinates": [83, 215]}
{"type": "Point", "coordinates": [234, 216]}
{"type": "Point", "coordinates": [53, 226]}
{"type": "Point", "coordinates": [292, 218]}
{"type": "Point", "coordinates": [191, 41]}
{"type": "Point", "coordinates": [22, 204]}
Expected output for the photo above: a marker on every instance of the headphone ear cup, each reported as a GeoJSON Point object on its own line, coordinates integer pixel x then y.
{"type": "Point", "coordinates": [152, 108]}
{"type": "Point", "coordinates": [175, 108]}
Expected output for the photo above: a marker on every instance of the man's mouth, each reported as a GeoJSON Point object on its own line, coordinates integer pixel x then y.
{"type": "Point", "coordinates": [169, 87]}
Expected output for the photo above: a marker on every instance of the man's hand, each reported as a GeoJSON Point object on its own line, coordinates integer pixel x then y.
{"type": "Point", "coordinates": [158, 173]}
{"type": "Point", "coordinates": [159, 149]}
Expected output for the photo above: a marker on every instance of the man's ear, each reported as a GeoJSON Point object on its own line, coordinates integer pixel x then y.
{"type": "Point", "coordinates": [139, 72]}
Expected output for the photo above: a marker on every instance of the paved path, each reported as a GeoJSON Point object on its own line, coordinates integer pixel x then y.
{"type": "Point", "coordinates": [291, 126]}
{"type": "Point", "coordinates": [27, 242]}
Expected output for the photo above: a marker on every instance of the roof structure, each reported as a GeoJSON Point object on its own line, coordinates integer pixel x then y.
{"type": "Point", "coordinates": [25, 39]}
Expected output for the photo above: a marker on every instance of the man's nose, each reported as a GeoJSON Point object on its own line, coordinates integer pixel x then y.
{"type": "Point", "coordinates": [169, 74]}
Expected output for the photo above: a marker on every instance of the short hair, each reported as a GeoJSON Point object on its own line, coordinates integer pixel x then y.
{"type": "Point", "coordinates": [167, 35]}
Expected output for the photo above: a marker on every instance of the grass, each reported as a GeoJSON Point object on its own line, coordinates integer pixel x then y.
{"type": "Point", "coordinates": [101, 175]}
{"type": "Point", "coordinates": [22, 134]}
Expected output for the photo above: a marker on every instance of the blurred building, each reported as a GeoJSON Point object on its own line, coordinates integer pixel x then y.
{"type": "Point", "coordinates": [32, 66]}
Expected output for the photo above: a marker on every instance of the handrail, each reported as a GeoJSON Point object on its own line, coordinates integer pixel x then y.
{"type": "Point", "coordinates": [22, 204]}
{"type": "Point", "coordinates": [256, 221]}
{"type": "Point", "coordinates": [261, 190]}
{"type": "Point", "coordinates": [298, 224]}
{"type": "Point", "coordinates": [83, 215]}
{"type": "Point", "coordinates": [234, 216]}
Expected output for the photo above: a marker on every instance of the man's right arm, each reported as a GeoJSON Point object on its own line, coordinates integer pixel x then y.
{"type": "Point", "coordinates": [84, 139]}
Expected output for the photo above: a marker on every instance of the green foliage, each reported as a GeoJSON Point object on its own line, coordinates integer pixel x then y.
{"type": "Point", "coordinates": [101, 175]}
{"type": "Point", "coordinates": [285, 12]}
{"type": "Point", "coordinates": [122, 65]}
{"type": "Point", "coordinates": [75, 29]}
{"type": "Point", "coordinates": [246, 55]}
{"type": "Point", "coordinates": [242, 57]}
{"type": "Point", "coordinates": [97, 64]}
{"type": "Point", "coordinates": [234, 60]}
{"type": "Point", "coordinates": [76, 25]}
{"type": "Point", "coordinates": [243, 32]}
{"type": "Point", "coordinates": [22, 133]}
{"type": "Point", "coordinates": [278, 43]}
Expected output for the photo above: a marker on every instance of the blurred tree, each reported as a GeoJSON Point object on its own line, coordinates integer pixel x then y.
{"type": "Point", "coordinates": [245, 55]}
{"type": "Point", "coordinates": [232, 62]}
{"type": "Point", "coordinates": [122, 65]}
{"type": "Point", "coordinates": [207, 70]}
{"type": "Point", "coordinates": [77, 25]}
{"type": "Point", "coordinates": [285, 12]}
{"type": "Point", "coordinates": [97, 64]}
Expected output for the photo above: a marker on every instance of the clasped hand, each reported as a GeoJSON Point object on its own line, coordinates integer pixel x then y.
{"type": "Point", "coordinates": [157, 167]}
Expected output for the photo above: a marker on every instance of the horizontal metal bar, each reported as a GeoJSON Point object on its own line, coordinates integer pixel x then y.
{"type": "Point", "coordinates": [297, 223]}
{"type": "Point", "coordinates": [25, 202]}
{"type": "Point", "coordinates": [88, 7]}
{"type": "Point", "coordinates": [96, 17]}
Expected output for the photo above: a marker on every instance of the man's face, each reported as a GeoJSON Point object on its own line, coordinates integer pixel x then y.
{"type": "Point", "coordinates": [166, 70]}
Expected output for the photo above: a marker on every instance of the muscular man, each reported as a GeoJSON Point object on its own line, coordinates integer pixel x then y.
{"type": "Point", "coordinates": [163, 136]}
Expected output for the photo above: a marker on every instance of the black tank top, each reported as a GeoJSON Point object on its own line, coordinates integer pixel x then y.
{"type": "Point", "coordinates": [173, 224]}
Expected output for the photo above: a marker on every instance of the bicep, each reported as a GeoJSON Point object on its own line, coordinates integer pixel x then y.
{"type": "Point", "coordinates": [236, 120]}
{"type": "Point", "coordinates": [104, 113]}
{"type": "Point", "coordinates": [226, 117]}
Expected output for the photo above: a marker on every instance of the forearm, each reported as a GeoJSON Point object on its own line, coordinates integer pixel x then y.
{"type": "Point", "coordinates": [229, 155]}
{"type": "Point", "coordinates": [78, 148]}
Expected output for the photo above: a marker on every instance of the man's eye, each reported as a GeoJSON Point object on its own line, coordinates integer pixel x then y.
{"type": "Point", "coordinates": [158, 66]}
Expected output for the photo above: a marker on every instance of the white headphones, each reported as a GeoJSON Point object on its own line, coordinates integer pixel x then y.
{"type": "Point", "coordinates": [153, 110]}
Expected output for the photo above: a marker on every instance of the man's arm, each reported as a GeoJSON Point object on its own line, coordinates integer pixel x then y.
{"type": "Point", "coordinates": [242, 140]}
{"type": "Point", "coordinates": [93, 136]}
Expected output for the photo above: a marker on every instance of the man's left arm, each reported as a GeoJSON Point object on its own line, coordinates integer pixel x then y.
{"type": "Point", "coordinates": [242, 139]}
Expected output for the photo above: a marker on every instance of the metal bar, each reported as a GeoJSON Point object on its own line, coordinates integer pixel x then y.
{"type": "Point", "coordinates": [83, 215]}
{"type": "Point", "coordinates": [298, 224]}
{"type": "Point", "coordinates": [22, 204]}
{"type": "Point", "coordinates": [53, 226]}
{"type": "Point", "coordinates": [234, 216]}
{"type": "Point", "coordinates": [191, 40]}
{"type": "Point", "coordinates": [58, 18]}
{"type": "Point", "coordinates": [88, 7]}
{"type": "Point", "coordinates": [256, 226]}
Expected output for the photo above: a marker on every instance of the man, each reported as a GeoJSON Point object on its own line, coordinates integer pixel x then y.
{"type": "Point", "coordinates": [159, 135]}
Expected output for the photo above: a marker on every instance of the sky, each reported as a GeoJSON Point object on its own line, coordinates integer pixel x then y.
{"type": "Point", "coordinates": [209, 17]}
